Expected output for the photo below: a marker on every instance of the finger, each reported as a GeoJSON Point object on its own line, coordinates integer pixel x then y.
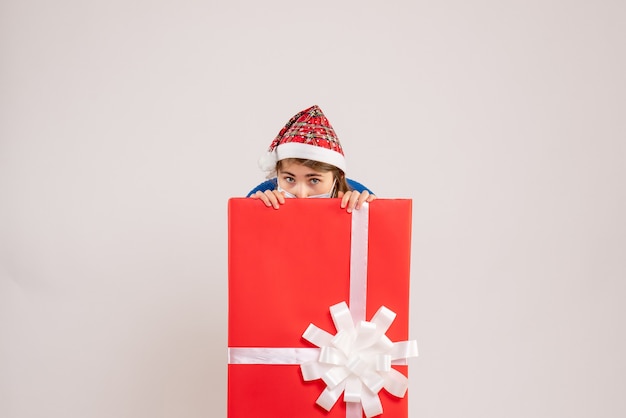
{"type": "Point", "coordinates": [262, 197]}
{"type": "Point", "coordinates": [353, 199]}
{"type": "Point", "coordinates": [271, 198]}
{"type": "Point", "coordinates": [345, 199]}
{"type": "Point", "coordinates": [362, 198]}
{"type": "Point", "coordinates": [280, 196]}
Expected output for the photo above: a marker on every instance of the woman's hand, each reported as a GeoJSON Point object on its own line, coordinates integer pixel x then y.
{"type": "Point", "coordinates": [271, 198]}
{"type": "Point", "coordinates": [352, 199]}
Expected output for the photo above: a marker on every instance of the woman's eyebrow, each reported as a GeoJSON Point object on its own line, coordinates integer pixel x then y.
{"type": "Point", "coordinates": [287, 173]}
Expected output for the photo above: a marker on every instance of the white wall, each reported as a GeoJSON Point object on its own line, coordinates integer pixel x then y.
{"type": "Point", "coordinates": [126, 125]}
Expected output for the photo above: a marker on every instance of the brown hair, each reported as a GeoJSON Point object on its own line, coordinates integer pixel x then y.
{"type": "Point", "coordinates": [338, 174]}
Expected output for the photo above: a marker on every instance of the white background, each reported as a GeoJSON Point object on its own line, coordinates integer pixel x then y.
{"type": "Point", "coordinates": [125, 126]}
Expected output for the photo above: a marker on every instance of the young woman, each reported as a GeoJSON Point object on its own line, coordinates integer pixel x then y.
{"type": "Point", "coordinates": [306, 160]}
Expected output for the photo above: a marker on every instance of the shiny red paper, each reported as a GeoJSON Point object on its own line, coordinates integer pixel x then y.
{"type": "Point", "coordinates": [286, 268]}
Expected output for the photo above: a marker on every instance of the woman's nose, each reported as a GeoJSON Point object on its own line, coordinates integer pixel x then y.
{"type": "Point", "coordinates": [301, 192]}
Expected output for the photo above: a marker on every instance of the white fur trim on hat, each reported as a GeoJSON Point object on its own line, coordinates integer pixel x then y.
{"type": "Point", "coordinates": [310, 152]}
{"type": "Point", "coordinates": [267, 162]}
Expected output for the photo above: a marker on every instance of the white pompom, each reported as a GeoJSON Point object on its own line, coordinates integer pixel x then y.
{"type": "Point", "coordinates": [268, 161]}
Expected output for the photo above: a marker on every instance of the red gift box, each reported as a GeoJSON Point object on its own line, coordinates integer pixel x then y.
{"type": "Point", "coordinates": [287, 267]}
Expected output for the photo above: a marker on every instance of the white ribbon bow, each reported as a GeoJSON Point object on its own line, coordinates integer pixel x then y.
{"type": "Point", "coordinates": [357, 360]}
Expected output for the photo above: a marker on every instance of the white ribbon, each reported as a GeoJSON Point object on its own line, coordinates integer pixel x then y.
{"type": "Point", "coordinates": [266, 355]}
{"type": "Point", "coordinates": [359, 243]}
{"type": "Point", "coordinates": [357, 360]}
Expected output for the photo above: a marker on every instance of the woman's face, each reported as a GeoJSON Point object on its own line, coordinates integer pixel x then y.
{"type": "Point", "coordinates": [302, 181]}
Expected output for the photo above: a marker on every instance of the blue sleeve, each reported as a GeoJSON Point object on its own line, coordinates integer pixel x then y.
{"type": "Point", "coordinates": [355, 185]}
{"type": "Point", "coordinates": [271, 185]}
{"type": "Point", "coordinates": [266, 185]}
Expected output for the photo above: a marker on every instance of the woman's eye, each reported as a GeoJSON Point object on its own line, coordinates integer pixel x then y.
{"type": "Point", "coordinates": [289, 179]}
{"type": "Point", "coordinates": [315, 181]}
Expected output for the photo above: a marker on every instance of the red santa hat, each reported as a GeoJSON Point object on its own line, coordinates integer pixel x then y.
{"type": "Point", "coordinates": [307, 135]}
